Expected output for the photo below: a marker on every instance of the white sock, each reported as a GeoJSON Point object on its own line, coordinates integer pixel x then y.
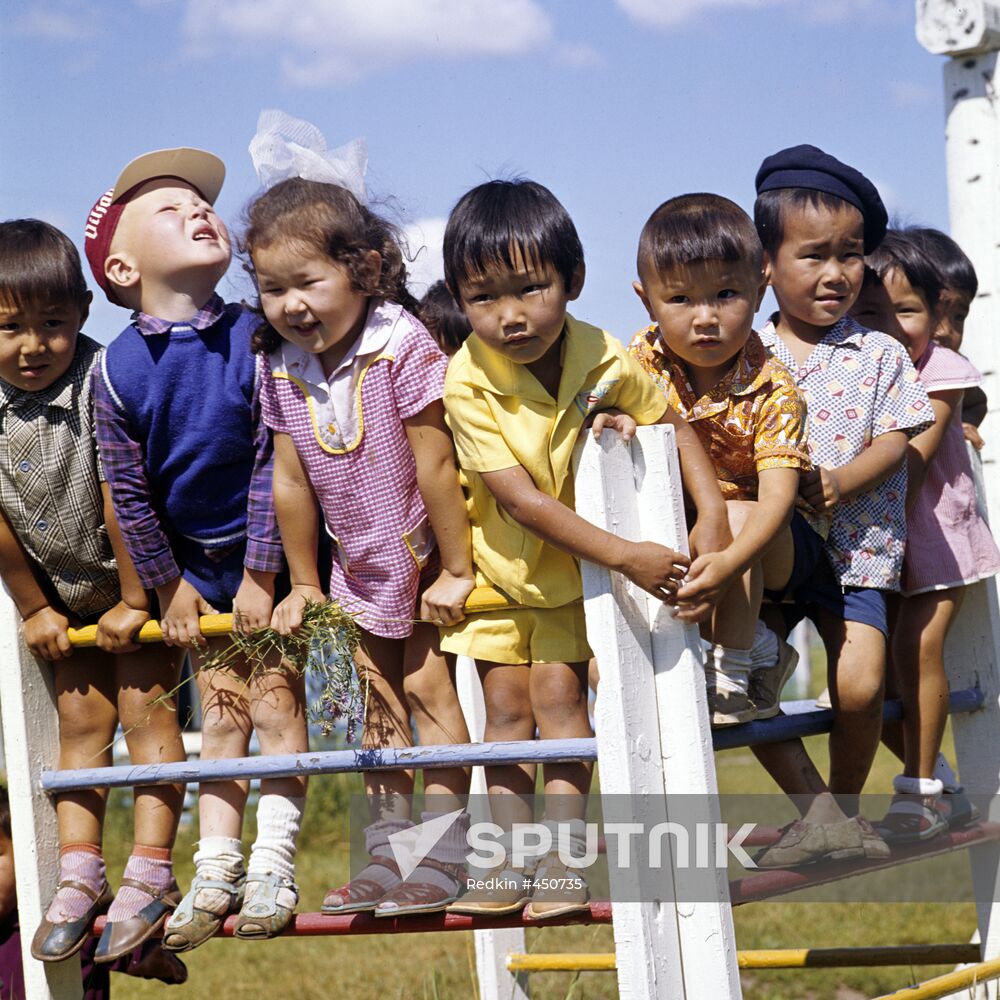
{"type": "Point", "coordinates": [926, 787]}
{"type": "Point", "coordinates": [765, 648]}
{"type": "Point", "coordinates": [278, 820]}
{"type": "Point", "coordinates": [728, 669]}
{"type": "Point", "coordinates": [221, 860]}
{"type": "Point", "coordinates": [943, 771]}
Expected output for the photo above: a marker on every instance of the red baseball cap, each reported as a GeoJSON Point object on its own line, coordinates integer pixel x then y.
{"type": "Point", "coordinates": [202, 170]}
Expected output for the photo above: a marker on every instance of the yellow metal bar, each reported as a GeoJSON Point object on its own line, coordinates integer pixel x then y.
{"type": "Point", "coordinates": [560, 962]}
{"type": "Point", "coordinates": [480, 600]}
{"type": "Point", "coordinates": [953, 982]}
{"type": "Point", "coordinates": [784, 958]}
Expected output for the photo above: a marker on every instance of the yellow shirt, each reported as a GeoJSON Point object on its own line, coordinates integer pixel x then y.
{"type": "Point", "coordinates": [501, 417]}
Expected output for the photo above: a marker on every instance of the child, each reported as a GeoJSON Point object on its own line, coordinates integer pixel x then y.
{"type": "Point", "coordinates": [353, 396]}
{"type": "Point", "coordinates": [701, 280]}
{"type": "Point", "coordinates": [817, 217]}
{"type": "Point", "coordinates": [444, 320]}
{"type": "Point", "coordinates": [189, 465]}
{"type": "Point", "coordinates": [960, 285]}
{"type": "Point", "coordinates": [949, 544]}
{"type": "Point", "coordinates": [58, 547]}
{"type": "Point", "coordinates": [517, 395]}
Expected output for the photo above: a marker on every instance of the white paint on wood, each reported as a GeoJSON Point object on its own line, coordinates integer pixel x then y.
{"type": "Point", "coordinates": [652, 721]}
{"type": "Point", "coordinates": [947, 27]}
{"type": "Point", "coordinates": [31, 745]}
{"type": "Point", "coordinates": [496, 981]}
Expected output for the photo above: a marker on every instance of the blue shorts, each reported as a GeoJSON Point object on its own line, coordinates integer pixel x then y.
{"type": "Point", "coordinates": [807, 547]}
{"type": "Point", "coordinates": [822, 592]}
{"type": "Point", "coordinates": [216, 573]}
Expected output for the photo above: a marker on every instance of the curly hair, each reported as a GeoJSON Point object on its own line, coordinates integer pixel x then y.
{"type": "Point", "coordinates": [329, 220]}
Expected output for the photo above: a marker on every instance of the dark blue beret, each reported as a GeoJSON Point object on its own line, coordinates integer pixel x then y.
{"type": "Point", "coordinates": [811, 168]}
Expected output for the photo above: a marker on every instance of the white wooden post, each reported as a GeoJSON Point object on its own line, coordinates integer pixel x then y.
{"type": "Point", "coordinates": [496, 981]}
{"type": "Point", "coordinates": [652, 723]}
{"type": "Point", "coordinates": [970, 34]}
{"type": "Point", "coordinates": [31, 745]}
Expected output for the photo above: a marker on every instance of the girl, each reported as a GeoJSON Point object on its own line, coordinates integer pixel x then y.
{"type": "Point", "coordinates": [59, 542]}
{"type": "Point", "coordinates": [353, 396]}
{"type": "Point", "coordinates": [949, 544]}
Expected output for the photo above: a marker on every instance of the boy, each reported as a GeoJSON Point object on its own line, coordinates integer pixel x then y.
{"type": "Point", "coordinates": [701, 280]}
{"type": "Point", "coordinates": [816, 218]}
{"type": "Point", "coordinates": [189, 465]}
{"type": "Point", "coordinates": [62, 562]}
{"type": "Point", "coordinates": [516, 396]}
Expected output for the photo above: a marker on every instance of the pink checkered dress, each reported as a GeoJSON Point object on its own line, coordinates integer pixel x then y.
{"type": "Point", "coordinates": [349, 434]}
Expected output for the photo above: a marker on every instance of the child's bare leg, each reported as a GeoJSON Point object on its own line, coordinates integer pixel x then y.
{"type": "Point", "coordinates": [85, 686]}
{"type": "Point", "coordinates": [918, 651]}
{"type": "Point", "coordinates": [856, 674]}
{"type": "Point", "coordinates": [429, 685]}
{"type": "Point", "coordinates": [278, 710]}
{"type": "Point", "coordinates": [509, 716]}
{"type": "Point", "coordinates": [559, 702]}
{"type": "Point", "coordinates": [892, 732]}
{"type": "Point", "coordinates": [797, 776]}
{"type": "Point", "coordinates": [149, 720]}
{"type": "Point", "coordinates": [225, 733]}
{"type": "Point", "coordinates": [387, 722]}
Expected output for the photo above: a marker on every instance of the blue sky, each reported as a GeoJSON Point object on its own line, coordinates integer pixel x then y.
{"type": "Point", "coordinates": [614, 104]}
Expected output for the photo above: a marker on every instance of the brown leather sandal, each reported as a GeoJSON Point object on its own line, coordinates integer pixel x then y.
{"type": "Point", "coordinates": [54, 941]}
{"type": "Point", "coordinates": [361, 894]}
{"type": "Point", "coordinates": [121, 936]}
{"type": "Point", "coordinates": [411, 896]}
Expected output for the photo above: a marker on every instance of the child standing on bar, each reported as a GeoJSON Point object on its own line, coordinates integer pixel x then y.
{"type": "Point", "coordinates": [189, 461]}
{"type": "Point", "coordinates": [352, 391]}
{"type": "Point", "coordinates": [517, 395]}
{"type": "Point", "coordinates": [63, 562]}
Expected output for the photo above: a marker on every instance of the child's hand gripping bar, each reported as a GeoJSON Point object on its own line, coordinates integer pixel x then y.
{"type": "Point", "coordinates": [480, 600]}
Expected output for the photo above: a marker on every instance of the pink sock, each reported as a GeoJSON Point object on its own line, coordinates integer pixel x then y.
{"type": "Point", "coordinates": [78, 863]}
{"type": "Point", "coordinates": [150, 865]}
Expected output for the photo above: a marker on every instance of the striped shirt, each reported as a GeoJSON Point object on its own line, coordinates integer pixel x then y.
{"type": "Point", "coordinates": [50, 484]}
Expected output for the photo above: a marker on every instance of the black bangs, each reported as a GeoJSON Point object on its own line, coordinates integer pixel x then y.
{"type": "Point", "coordinates": [39, 266]}
{"type": "Point", "coordinates": [698, 227]}
{"type": "Point", "coordinates": [498, 221]}
{"type": "Point", "coordinates": [902, 250]}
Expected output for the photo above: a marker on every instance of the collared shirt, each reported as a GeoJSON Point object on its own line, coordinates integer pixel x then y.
{"type": "Point", "coordinates": [502, 417]}
{"type": "Point", "coordinates": [124, 458]}
{"type": "Point", "coordinates": [753, 419]}
{"type": "Point", "coordinates": [349, 433]}
{"type": "Point", "coordinates": [50, 484]}
{"type": "Point", "coordinates": [858, 385]}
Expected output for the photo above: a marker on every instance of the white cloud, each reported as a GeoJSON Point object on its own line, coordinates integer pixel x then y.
{"type": "Point", "coordinates": [63, 23]}
{"type": "Point", "coordinates": [673, 13]}
{"type": "Point", "coordinates": [910, 94]}
{"type": "Point", "coordinates": [337, 41]}
{"type": "Point", "coordinates": [424, 238]}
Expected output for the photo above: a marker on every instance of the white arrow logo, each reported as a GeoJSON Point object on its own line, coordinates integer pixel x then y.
{"type": "Point", "coordinates": [410, 846]}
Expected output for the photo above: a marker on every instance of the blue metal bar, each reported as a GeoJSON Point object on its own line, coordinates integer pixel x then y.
{"type": "Point", "coordinates": [801, 719]}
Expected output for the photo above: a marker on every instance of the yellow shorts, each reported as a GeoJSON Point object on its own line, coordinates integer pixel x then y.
{"type": "Point", "coordinates": [521, 635]}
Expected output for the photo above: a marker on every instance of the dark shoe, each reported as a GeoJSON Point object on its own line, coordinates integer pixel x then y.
{"type": "Point", "coordinates": [413, 896]}
{"type": "Point", "coordinates": [957, 809]}
{"type": "Point", "coordinates": [766, 685]}
{"type": "Point", "coordinates": [152, 961]}
{"type": "Point", "coordinates": [54, 942]}
{"type": "Point", "coordinates": [360, 895]}
{"type": "Point", "coordinates": [121, 936]}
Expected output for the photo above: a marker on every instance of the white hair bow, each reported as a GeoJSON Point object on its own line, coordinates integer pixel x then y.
{"type": "Point", "coordinates": [290, 147]}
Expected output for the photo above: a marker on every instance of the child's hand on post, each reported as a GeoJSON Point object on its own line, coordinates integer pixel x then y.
{"type": "Point", "coordinates": [972, 435]}
{"type": "Point", "coordinates": [287, 617]}
{"type": "Point", "coordinates": [46, 636]}
{"type": "Point", "coordinates": [616, 420]}
{"type": "Point", "coordinates": [180, 608]}
{"type": "Point", "coordinates": [655, 568]}
{"type": "Point", "coordinates": [254, 601]}
{"type": "Point", "coordinates": [443, 602]}
{"type": "Point", "coordinates": [819, 488]}
{"type": "Point", "coordinates": [118, 626]}
{"type": "Point", "coordinates": [710, 576]}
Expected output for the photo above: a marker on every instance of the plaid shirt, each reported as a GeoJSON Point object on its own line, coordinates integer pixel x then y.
{"type": "Point", "coordinates": [50, 484]}
{"type": "Point", "coordinates": [124, 459]}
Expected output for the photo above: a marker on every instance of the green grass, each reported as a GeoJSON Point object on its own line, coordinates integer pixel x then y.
{"type": "Point", "coordinates": [441, 966]}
